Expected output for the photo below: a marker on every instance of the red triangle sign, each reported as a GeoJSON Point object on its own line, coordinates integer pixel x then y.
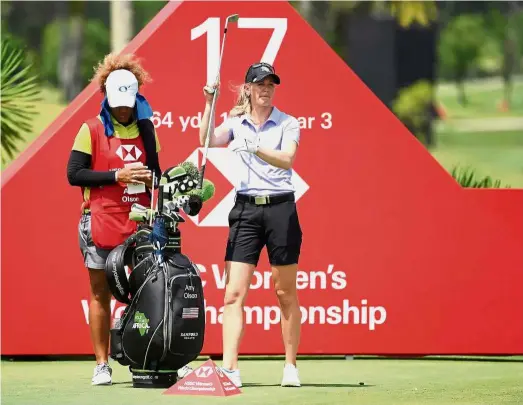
{"type": "Point", "coordinates": [221, 184]}
{"type": "Point", "coordinates": [207, 380]}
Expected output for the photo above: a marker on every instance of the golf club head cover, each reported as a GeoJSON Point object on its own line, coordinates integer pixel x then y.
{"type": "Point", "coordinates": [206, 192]}
{"type": "Point", "coordinates": [181, 181]}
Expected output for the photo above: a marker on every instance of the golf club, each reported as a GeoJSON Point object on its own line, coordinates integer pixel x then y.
{"type": "Point", "coordinates": [152, 203]}
{"type": "Point", "coordinates": [231, 18]}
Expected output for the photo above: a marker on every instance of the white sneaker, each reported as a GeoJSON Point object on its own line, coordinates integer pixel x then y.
{"type": "Point", "coordinates": [184, 371]}
{"type": "Point", "coordinates": [291, 377]}
{"type": "Point", "coordinates": [234, 376]}
{"type": "Point", "coordinates": [102, 375]}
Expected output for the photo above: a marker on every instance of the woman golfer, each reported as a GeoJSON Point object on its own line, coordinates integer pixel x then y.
{"type": "Point", "coordinates": [112, 160]}
{"type": "Point", "coordinates": [265, 140]}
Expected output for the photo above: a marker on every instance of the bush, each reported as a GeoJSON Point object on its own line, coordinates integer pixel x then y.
{"type": "Point", "coordinates": [413, 106]}
{"type": "Point", "coordinates": [467, 178]}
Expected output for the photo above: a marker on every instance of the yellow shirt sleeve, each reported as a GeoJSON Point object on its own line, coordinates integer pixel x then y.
{"type": "Point", "coordinates": [82, 142]}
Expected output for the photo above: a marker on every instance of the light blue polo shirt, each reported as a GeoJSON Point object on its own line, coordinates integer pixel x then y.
{"type": "Point", "coordinates": [255, 176]}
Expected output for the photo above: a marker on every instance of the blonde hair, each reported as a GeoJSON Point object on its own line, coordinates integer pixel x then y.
{"type": "Point", "coordinates": [243, 102]}
{"type": "Point", "coordinates": [113, 62]}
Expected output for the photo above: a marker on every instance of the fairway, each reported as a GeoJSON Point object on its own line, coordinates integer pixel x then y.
{"type": "Point", "coordinates": [495, 154]}
{"type": "Point", "coordinates": [484, 98]}
{"type": "Point", "coordinates": [333, 382]}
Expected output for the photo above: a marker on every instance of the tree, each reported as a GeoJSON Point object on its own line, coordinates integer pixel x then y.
{"type": "Point", "coordinates": [20, 92]}
{"type": "Point", "coordinates": [72, 21]}
{"type": "Point", "coordinates": [511, 48]}
{"type": "Point", "coordinates": [405, 12]}
{"type": "Point", "coordinates": [326, 16]}
{"type": "Point", "coordinates": [121, 24]}
{"type": "Point", "coordinates": [460, 47]}
{"type": "Point", "coordinates": [503, 24]}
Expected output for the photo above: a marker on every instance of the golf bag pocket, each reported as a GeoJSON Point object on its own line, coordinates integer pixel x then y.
{"type": "Point", "coordinates": [186, 310]}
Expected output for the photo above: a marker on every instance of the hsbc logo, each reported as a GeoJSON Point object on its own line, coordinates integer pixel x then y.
{"type": "Point", "coordinates": [224, 160]}
{"type": "Point", "coordinates": [128, 153]}
{"type": "Point", "coordinates": [203, 372]}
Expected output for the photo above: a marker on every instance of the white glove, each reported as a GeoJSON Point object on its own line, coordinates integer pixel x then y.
{"type": "Point", "coordinates": [243, 145]}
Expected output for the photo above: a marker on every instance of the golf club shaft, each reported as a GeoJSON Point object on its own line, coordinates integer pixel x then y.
{"type": "Point", "coordinates": [213, 106]}
{"type": "Point", "coordinates": [152, 202]}
{"type": "Point", "coordinates": [207, 142]}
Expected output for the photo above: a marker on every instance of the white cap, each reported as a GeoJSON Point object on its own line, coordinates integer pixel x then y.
{"type": "Point", "coordinates": [121, 87]}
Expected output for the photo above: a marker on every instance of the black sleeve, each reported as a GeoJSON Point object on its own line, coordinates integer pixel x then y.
{"type": "Point", "coordinates": [79, 172]}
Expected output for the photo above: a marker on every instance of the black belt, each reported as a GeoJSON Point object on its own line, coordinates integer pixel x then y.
{"type": "Point", "coordinates": [266, 199]}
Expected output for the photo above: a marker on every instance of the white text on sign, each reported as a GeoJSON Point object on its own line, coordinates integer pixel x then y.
{"type": "Point", "coordinates": [211, 27]}
{"type": "Point", "coordinates": [361, 312]}
{"type": "Point", "coordinates": [347, 312]}
{"type": "Point", "coordinates": [183, 123]}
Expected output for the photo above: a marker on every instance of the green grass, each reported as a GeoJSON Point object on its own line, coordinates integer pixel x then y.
{"type": "Point", "coordinates": [484, 98]}
{"type": "Point", "coordinates": [495, 154]}
{"type": "Point", "coordinates": [333, 382]}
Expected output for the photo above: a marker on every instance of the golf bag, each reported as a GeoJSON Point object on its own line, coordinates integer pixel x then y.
{"type": "Point", "coordinates": [162, 328]}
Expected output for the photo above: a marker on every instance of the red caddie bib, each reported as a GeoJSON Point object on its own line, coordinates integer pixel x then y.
{"type": "Point", "coordinates": [110, 204]}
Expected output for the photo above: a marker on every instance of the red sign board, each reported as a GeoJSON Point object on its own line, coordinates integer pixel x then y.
{"type": "Point", "coordinates": [397, 257]}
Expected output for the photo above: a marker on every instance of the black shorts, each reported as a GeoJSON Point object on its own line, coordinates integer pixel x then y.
{"type": "Point", "coordinates": [275, 225]}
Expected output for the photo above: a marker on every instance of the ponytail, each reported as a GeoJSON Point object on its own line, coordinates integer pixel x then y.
{"type": "Point", "coordinates": [243, 103]}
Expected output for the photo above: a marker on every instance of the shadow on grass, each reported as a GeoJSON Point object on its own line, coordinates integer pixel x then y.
{"type": "Point", "coordinates": [254, 385]}
{"type": "Point", "coordinates": [124, 383]}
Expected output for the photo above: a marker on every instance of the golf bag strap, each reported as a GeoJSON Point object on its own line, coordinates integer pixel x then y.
{"type": "Point", "coordinates": [115, 272]}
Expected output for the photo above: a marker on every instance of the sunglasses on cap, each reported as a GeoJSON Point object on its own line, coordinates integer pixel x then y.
{"type": "Point", "coordinates": [258, 65]}
{"type": "Point", "coordinates": [259, 71]}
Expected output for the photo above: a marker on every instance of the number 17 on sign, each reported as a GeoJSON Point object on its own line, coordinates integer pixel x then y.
{"type": "Point", "coordinates": [211, 27]}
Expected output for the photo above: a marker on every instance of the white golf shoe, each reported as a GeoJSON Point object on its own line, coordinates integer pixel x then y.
{"type": "Point", "coordinates": [102, 375]}
{"type": "Point", "coordinates": [184, 371]}
{"type": "Point", "coordinates": [291, 377]}
{"type": "Point", "coordinates": [234, 376]}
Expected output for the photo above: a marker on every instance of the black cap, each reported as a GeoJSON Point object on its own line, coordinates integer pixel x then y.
{"type": "Point", "coordinates": [259, 71]}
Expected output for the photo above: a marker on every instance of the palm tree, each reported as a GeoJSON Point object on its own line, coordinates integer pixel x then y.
{"type": "Point", "coordinates": [20, 91]}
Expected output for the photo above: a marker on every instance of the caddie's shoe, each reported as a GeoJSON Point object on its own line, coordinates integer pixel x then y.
{"type": "Point", "coordinates": [102, 375]}
{"type": "Point", "coordinates": [184, 371]}
{"type": "Point", "coordinates": [291, 377]}
{"type": "Point", "coordinates": [234, 376]}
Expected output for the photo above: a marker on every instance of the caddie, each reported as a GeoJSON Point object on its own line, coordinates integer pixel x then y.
{"type": "Point", "coordinates": [113, 159]}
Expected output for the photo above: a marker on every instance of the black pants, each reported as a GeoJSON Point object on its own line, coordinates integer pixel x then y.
{"type": "Point", "coordinates": [275, 225]}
